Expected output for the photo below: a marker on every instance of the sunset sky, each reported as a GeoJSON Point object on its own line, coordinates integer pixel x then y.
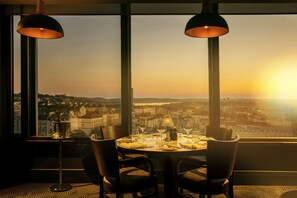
{"type": "Point", "coordinates": [257, 60]}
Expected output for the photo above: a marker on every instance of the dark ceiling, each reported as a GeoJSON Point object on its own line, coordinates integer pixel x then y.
{"type": "Point", "coordinates": [68, 7]}
{"type": "Point", "coordinates": [73, 2]}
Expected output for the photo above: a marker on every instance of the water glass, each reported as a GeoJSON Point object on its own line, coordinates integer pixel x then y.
{"type": "Point", "coordinates": [195, 136]}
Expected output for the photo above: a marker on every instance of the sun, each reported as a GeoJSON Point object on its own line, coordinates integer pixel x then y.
{"type": "Point", "coordinates": [286, 83]}
{"type": "Point", "coordinates": [279, 81]}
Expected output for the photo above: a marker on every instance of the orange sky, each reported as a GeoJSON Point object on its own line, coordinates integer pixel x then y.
{"type": "Point", "coordinates": [256, 60]}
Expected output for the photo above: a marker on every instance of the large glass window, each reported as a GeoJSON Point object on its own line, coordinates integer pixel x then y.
{"type": "Point", "coordinates": [169, 73]}
{"type": "Point", "coordinates": [258, 75]}
{"type": "Point", "coordinates": [79, 75]}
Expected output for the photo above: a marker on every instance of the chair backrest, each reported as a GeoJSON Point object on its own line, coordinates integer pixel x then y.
{"type": "Point", "coordinates": [113, 132]}
{"type": "Point", "coordinates": [219, 133]}
{"type": "Point", "coordinates": [221, 156]}
{"type": "Point", "coordinates": [106, 156]}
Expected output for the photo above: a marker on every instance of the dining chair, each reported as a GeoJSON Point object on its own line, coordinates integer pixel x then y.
{"type": "Point", "coordinates": [213, 178]}
{"type": "Point", "coordinates": [116, 132]}
{"type": "Point", "coordinates": [219, 134]}
{"type": "Point", "coordinates": [201, 160]}
{"type": "Point", "coordinates": [121, 176]}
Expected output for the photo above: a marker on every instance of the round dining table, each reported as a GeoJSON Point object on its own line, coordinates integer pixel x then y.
{"type": "Point", "coordinates": [167, 151]}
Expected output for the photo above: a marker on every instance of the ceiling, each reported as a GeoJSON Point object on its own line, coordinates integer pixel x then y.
{"type": "Point", "coordinates": [72, 2]}
{"type": "Point", "coordinates": [64, 7]}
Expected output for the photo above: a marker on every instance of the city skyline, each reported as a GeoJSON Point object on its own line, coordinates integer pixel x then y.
{"type": "Point", "coordinates": [249, 117]}
{"type": "Point", "coordinates": [165, 62]}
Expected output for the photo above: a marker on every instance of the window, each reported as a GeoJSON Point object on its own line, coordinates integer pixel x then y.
{"type": "Point", "coordinates": [169, 73]}
{"type": "Point", "coordinates": [79, 75]}
{"type": "Point", "coordinates": [258, 75]}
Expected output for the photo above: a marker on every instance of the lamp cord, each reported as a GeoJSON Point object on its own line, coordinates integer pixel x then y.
{"type": "Point", "coordinates": [40, 7]}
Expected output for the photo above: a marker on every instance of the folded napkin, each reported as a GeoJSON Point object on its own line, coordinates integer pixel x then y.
{"type": "Point", "coordinates": [168, 146]}
{"type": "Point", "coordinates": [194, 146]}
{"type": "Point", "coordinates": [204, 138]}
{"type": "Point", "coordinates": [133, 145]}
{"type": "Point", "coordinates": [125, 139]}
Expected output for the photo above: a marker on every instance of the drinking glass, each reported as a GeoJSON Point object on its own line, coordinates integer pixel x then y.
{"type": "Point", "coordinates": [196, 136]}
{"type": "Point", "coordinates": [157, 136]}
{"type": "Point", "coordinates": [135, 135]}
{"type": "Point", "coordinates": [161, 130]}
{"type": "Point", "coordinates": [141, 132]}
{"type": "Point", "coordinates": [141, 128]}
{"type": "Point", "coordinates": [188, 127]}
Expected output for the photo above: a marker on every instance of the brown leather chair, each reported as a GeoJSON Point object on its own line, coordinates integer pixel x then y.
{"type": "Point", "coordinates": [201, 160]}
{"type": "Point", "coordinates": [213, 178]}
{"type": "Point", "coordinates": [121, 176]}
{"type": "Point", "coordinates": [114, 131]}
{"type": "Point", "coordinates": [219, 134]}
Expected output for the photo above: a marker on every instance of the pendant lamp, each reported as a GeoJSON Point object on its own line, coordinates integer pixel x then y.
{"type": "Point", "coordinates": [40, 25]}
{"type": "Point", "coordinates": [207, 24]}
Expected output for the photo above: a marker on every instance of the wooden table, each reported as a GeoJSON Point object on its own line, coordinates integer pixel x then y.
{"type": "Point", "coordinates": [168, 152]}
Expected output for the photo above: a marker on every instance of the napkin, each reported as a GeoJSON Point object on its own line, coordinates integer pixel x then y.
{"type": "Point", "coordinates": [194, 146]}
{"type": "Point", "coordinates": [204, 138]}
{"type": "Point", "coordinates": [133, 145]}
{"type": "Point", "coordinates": [125, 139]}
{"type": "Point", "coordinates": [168, 148]}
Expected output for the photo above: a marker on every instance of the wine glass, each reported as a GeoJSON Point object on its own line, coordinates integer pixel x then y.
{"type": "Point", "coordinates": [141, 128]}
{"type": "Point", "coordinates": [135, 135]}
{"type": "Point", "coordinates": [188, 127]}
{"type": "Point", "coordinates": [141, 131]}
{"type": "Point", "coordinates": [195, 136]}
{"type": "Point", "coordinates": [161, 130]}
{"type": "Point", "coordinates": [156, 135]}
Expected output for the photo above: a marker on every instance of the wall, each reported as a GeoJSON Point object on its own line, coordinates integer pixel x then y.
{"type": "Point", "coordinates": [272, 163]}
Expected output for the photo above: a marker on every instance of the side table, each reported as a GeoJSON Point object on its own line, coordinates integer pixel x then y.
{"type": "Point", "coordinates": [60, 187]}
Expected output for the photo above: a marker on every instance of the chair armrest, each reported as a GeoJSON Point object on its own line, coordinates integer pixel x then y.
{"type": "Point", "coordinates": [137, 161]}
{"type": "Point", "coordinates": [121, 154]}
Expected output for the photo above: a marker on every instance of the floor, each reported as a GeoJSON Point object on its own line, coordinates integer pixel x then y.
{"type": "Point", "coordinates": [83, 190]}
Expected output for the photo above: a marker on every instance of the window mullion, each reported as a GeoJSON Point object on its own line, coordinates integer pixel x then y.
{"type": "Point", "coordinates": [126, 90]}
{"type": "Point", "coordinates": [28, 86]}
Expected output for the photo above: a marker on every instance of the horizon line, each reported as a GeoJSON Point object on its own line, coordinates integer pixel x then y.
{"type": "Point", "coordinates": [167, 98]}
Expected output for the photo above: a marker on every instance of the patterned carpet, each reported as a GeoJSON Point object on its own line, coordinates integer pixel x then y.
{"type": "Point", "coordinates": [42, 190]}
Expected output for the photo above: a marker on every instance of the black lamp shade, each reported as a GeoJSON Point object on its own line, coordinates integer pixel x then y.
{"type": "Point", "coordinates": [40, 26]}
{"type": "Point", "coordinates": [206, 25]}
